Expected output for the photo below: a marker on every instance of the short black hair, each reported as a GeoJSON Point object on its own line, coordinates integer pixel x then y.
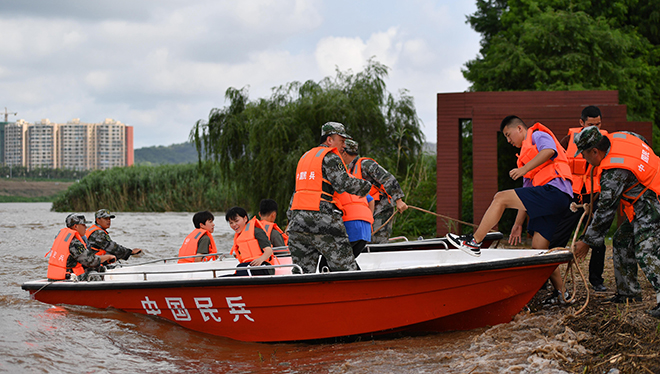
{"type": "Point", "coordinates": [511, 121]}
{"type": "Point", "coordinates": [590, 112]}
{"type": "Point", "coordinates": [234, 212]}
{"type": "Point", "coordinates": [324, 138]}
{"type": "Point", "coordinates": [604, 144]}
{"type": "Point", "coordinates": [202, 217]}
{"type": "Point", "coordinates": [266, 206]}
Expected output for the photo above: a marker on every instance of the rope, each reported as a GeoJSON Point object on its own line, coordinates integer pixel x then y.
{"type": "Point", "coordinates": [444, 217]}
{"type": "Point", "coordinates": [572, 265]}
{"type": "Point", "coordinates": [386, 222]}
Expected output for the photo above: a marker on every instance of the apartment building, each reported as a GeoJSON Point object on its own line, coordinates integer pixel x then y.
{"type": "Point", "coordinates": [73, 145]}
{"type": "Point", "coordinates": [14, 143]}
{"type": "Point", "coordinates": [41, 148]}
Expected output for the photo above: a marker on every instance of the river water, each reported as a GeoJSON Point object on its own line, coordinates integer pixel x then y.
{"type": "Point", "coordinates": [40, 338]}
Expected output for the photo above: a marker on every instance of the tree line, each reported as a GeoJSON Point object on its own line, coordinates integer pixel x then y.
{"type": "Point", "coordinates": [23, 172]}
{"type": "Point", "coordinates": [249, 150]}
{"type": "Point", "coordinates": [551, 45]}
{"type": "Point", "coordinates": [258, 143]}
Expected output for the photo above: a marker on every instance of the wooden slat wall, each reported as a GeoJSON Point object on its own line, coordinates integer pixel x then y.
{"type": "Point", "coordinates": [558, 110]}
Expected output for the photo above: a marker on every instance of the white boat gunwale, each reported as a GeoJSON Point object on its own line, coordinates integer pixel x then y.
{"type": "Point", "coordinates": [422, 270]}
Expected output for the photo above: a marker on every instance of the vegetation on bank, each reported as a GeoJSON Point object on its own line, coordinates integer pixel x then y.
{"type": "Point", "coordinates": [182, 188]}
{"type": "Point", "coordinates": [41, 174]}
{"type": "Point", "coordinates": [26, 199]}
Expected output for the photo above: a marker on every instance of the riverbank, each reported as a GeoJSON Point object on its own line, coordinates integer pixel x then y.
{"type": "Point", "coordinates": [16, 190]}
{"type": "Point", "coordinates": [616, 335]}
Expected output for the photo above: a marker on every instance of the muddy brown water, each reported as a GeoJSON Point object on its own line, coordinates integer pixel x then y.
{"type": "Point", "coordinates": [40, 338]}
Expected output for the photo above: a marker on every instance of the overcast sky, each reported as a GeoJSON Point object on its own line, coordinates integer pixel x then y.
{"type": "Point", "coordinates": [162, 65]}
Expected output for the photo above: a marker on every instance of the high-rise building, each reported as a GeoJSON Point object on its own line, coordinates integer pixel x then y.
{"type": "Point", "coordinates": [111, 144]}
{"type": "Point", "coordinates": [74, 145]}
{"type": "Point", "coordinates": [14, 143]}
{"type": "Point", "coordinates": [72, 142]}
{"type": "Point", "coordinates": [41, 148]}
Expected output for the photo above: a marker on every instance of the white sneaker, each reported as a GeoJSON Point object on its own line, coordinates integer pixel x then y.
{"type": "Point", "coordinates": [465, 243]}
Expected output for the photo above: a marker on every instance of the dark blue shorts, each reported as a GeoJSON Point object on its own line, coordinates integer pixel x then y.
{"type": "Point", "coordinates": [545, 206]}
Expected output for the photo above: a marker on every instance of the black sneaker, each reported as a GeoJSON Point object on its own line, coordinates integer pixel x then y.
{"type": "Point", "coordinates": [600, 288]}
{"type": "Point", "coordinates": [622, 299]}
{"type": "Point", "coordinates": [655, 312]}
{"type": "Point", "coordinates": [552, 299]}
{"type": "Point", "coordinates": [465, 243]}
{"type": "Point", "coordinates": [555, 299]}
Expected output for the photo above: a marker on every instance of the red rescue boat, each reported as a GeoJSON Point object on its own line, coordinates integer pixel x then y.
{"type": "Point", "coordinates": [416, 290]}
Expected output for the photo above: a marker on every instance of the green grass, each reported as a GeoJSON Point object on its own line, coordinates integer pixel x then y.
{"type": "Point", "coordinates": [24, 199]}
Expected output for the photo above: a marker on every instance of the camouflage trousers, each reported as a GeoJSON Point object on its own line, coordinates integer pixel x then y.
{"type": "Point", "coordinates": [626, 257]}
{"type": "Point", "coordinates": [383, 235]}
{"type": "Point", "coordinates": [306, 248]}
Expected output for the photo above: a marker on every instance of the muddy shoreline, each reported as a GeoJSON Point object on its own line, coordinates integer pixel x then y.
{"type": "Point", "coordinates": [616, 336]}
{"type": "Point", "coordinates": [27, 188]}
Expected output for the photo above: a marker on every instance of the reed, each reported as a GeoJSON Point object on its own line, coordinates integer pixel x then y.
{"type": "Point", "coordinates": [419, 185]}
{"type": "Point", "coordinates": [179, 188]}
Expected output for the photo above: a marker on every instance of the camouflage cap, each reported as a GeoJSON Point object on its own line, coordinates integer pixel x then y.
{"type": "Point", "coordinates": [75, 219]}
{"type": "Point", "coordinates": [103, 213]}
{"type": "Point", "coordinates": [351, 146]}
{"type": "Point", "coordinates": [587, 138]}
{"type": "Point", "coordinates": [330, 128]}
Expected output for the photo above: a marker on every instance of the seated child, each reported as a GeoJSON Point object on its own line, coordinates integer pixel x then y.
{"type": "Point", "coordinates": [251, 244]}
{"type": "Point", "coordinates": [200, 241]}
{"type": "Point", "coordinates": [268, 214]}
{"type": "Point", "coordinates": [545, 196]}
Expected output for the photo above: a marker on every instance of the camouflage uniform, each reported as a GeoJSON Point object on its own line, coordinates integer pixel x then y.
{"type": "Point", "coordinates": [100, 240]}
{"type": "Point", "coordinates": [86, 257]}
{"type": "Point", "coordinates": [378, 176]}
{"type": "Point", "coordinates": [313, 233]}
{"type": "Point", "coordinates": [634, 243]}
{"type": "Point", "coordinates": [80, 253]}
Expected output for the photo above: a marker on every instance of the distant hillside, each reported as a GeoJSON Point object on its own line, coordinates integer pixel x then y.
{"type": "Point", "coordinates": [184, 153]}
{"type": "Point", "coordinates": [430, 148]}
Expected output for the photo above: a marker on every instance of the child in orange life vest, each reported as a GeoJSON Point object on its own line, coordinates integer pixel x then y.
{"type": "Point", "coordinates": [251, 244]}
{"type": "Point", "coordinates": [200, 241]}
{"type": "Point", "coordinates": [544, 197]}
{"type": "Point", "coordinates": [268, 215]}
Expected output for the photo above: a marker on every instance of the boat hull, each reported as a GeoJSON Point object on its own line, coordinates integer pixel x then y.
{"type": "Point", "coordinates": [317, 306]}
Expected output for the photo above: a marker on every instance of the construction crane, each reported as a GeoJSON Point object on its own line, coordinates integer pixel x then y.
{"type": "Point", "coordinates": [8, 113]}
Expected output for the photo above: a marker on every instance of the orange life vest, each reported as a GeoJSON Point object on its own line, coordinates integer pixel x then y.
{"type": "Point", "coordinates": [95, 227]}
{"type": "Point", "coordinates": [355, 208]}
{"type": "Point", "coordinates": [376, 191]}
{"type": "Point", "coordinates": [580, 169]}
{"type": "Point", "coordinates": [59, 254]}
{"type": "Point", "coordinates": [270, 226]}
{"type": "Point", "coordinates": [631, 153]}
{"type": "Point", "coordinates": [549, 170]}
{"type": "Point", "coordinates": [189, 247]}
{"type": "Point", "coordinates": [246, 247]}
{"type": "Point", "coordinates": [309, 180]}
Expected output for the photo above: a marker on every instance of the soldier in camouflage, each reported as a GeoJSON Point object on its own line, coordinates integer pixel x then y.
{"type": "Point", "coordinates": [99, 239]}
{"type": "Point", "coordinates": [79, 253]}
{"type": "Point", "coordinates": [379, 177]}
{"type": "Point", "coordinates": [314, 233]}
{"type": "Point", "coordinates": [636, 242]}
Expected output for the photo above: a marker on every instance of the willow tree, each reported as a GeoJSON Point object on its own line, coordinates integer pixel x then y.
{"type": "Point", "coordinates": [258, 143]}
